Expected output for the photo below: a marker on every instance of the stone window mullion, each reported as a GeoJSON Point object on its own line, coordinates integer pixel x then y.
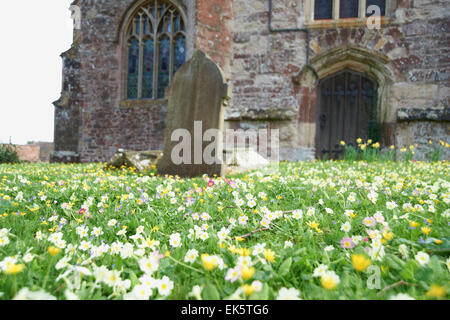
{"type": "Point", "coordinates": [336, 7]}
{"type": "Point", "coordinates": [362, 9]}
{"type": "Point", "coordinates": [141, 56]}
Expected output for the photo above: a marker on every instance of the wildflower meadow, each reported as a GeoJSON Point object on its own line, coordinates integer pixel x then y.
{"type": "Point", "coordinates": [308, 230]}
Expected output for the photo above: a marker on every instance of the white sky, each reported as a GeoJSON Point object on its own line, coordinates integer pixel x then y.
{"type": "Point", "coordinates": [33, 34]}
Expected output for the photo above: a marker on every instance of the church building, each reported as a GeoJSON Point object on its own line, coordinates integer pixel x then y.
{"type": "Point", "coordinates": [320, 71]}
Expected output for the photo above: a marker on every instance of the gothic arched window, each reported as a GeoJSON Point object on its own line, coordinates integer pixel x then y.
{"type": "Point", "coordinates": [155, 49]}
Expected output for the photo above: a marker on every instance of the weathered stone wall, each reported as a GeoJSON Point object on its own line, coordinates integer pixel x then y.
{"type": "Point", "coordinates": [411, 51]}
{"type": "Point", "coordinates": [92, 118]}
{"type": "Point", "coordinates": [272, 88]}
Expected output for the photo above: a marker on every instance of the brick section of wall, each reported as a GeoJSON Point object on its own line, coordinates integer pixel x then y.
{"type": "Point", "coordinates": [28, 153]}
{"type": "Point", "coordinates": [213, 34]}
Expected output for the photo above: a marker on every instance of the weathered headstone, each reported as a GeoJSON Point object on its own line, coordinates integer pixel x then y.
{"type": "Point", "coordinates": [193, 136]}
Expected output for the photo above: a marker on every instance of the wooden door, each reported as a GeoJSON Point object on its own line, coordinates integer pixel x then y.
{"type": "Point", "coordinates": [346, 111]}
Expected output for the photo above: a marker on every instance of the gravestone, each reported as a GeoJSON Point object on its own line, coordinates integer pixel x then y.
{"type": "Point", "coordinates": [193, 135]}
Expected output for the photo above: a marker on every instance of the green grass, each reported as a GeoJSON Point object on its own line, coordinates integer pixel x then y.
{"type": "Point", "coordinates": [32, 198]}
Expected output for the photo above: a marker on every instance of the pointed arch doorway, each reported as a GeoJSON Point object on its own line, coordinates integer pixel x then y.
{"type": "Point", "coordinates": [347, 110]}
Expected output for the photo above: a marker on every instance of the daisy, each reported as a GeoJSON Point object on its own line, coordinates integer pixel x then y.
{"type": "Point", "coordinates": [288, 294]}
{"type": "Point", "coordinates": [422, 257]}
{"type": "Point", "coordinates": [191, 255]}
{"type": "Point", "coordinates": [165, 286]}
{"type": "Point", "coordinates": [346, 227]}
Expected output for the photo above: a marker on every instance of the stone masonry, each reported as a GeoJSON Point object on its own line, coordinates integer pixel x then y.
{"type": "Point", "coordinates": [272, 86]}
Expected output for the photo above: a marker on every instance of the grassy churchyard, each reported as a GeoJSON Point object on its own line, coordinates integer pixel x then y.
{"type": "Point", "coordinates": [311, 230]}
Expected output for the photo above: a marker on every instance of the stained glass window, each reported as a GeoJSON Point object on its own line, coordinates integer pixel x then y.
{"type": "Point", "coordinates": [133, 75]}
{"type": "Point", "coordinates": [147, 81]}
{"type": "Point", "coordinates": [180, 53]}
{"type": "Point", "coordinates": [156, 49]}
{"type": "Point", "coordinates": [348, 8]}
{"type": "Point", "coordinates": [164, 66]}
{"type": "Point", "coordinates": [379, 3]}
{"type": "Point", "coordinates": [323, 9]}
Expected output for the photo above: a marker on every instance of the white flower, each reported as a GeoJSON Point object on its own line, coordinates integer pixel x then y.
{"type": "Point", "coordinates": [203, 235]}
{"type": "Point", "coordinates": [175, 240]}
{"type": "Point", "coordinates": [243, 220]}
{"type": "Point", "coordinates": [140, 292]}
{"type": "Point", "coordinates": [311, 211]}
{"type": "Point", "coordinates": [233, 274]}
{"type": "Point", "coordinates": [126, 251]}
{"type": "Point", "coordinates": [113, 278]}
{"type": "Point", "coordinates": [149, 281]}
{"type": "Point", "coordinates": [288, 244]}
{"type": "Point", "coordinates": [4, 241]}
{"type": "Point", "coordinates": [28, 257]}
{"type": "Point", "coordinates": [196, 292]}
{"type": "Point", "coordinates": [257, 285]}
{"type": "Point", "coordinates": [149, 265]}
{"type": "Point", "coordinates": [121, 232]}
{"type": "Point", "coordinates": [112, 222]}
{"type": "Point", "coordinates": [84, 245]}
{"type": "Point", "coordinates": [401, 296]}
{"type": "Point", "coordinates": [329, 210]}
{"type": "Point", "coordinates": [97, 231]}
{"type": "Point", "coordinates": [26, 294]}
{"type": "Point", "coordinates": [297, 214]}
{"type": "Point", "coordinates": [223, 234]}
{"type": "Point", "coordinates": [329, 248]}
{"type": "Point", "coordinates": [391, 205]}
{"type": "Point", "coordinates": [259, 248]}
{"type": "Point", "coordinates": [288, 294]}
{"type": "Point", "coordinates": [320, 270]}
{"type": "Point", "coordinates": [191, 255]}
{"type": "Point", "coordinates": [62, 263]}
{"type": "Point", "coordinates": [82, 231]}
{"type": "Point", "coordinates": [422, 257]}
{"type": "Point", "coordinates": [346, 227]}
{"type": "Point", "coordinates": [4, 232]}
{"type": "Point", "coordinates": [165, 286]}
{"type": "Point", "coordinates": [251, 203]}
{"type": "Point", "coordinates": [403, 249]}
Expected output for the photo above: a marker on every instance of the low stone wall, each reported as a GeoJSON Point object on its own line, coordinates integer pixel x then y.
{"type": "Point", "coordinates": [28, 153]}
{"type": "Point", "coordinates": [418, 126]}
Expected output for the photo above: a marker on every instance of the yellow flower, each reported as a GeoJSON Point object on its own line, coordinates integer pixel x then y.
{"type": "Point", "coordinates": [244, 252]}
{"type": "Point", "coordinates": [155, 228]}
{"type": "Point", "coordinates": [208, 263]}
{"type": "Point", "coordinates": [167, 254]}
{"type": "Point", "coordinates": [360, 262]}
{"type": "Point", "coordinates": [247, 273]}
{"type": "Point", "coordinates": [313, 224]}
{"type": "Point", "coordinates": [437, 241]}
{"type": "Point", "coordinates": [359, 140]}
{"type": "Point", "coordinates": [426, 230]}
{"type": "Point", "coordinates": [14, 268]}
{"type": "Point", "coordinates": [248, 289]}
{"type": "Point", "coordinates": [388, 235]}
{"type": "Point", "coordinates": [392, 147]}
{"type": "Point", "coordinates": [369, 141]}
{"type": "Point", "coordinates": [53, 251]}
{"type": "Point", "coordinates": [222, 245]}
{"type": "Point", "coordinates": [269, 255]}
{"type": "Point", "coordinates": [363, 147]}
{"type": "Point", "coordinates": [413, 224]}
{"type": "Point", "coordinates": [342, 143]}
{"type": "Point", "coordinates": [436, 292]}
